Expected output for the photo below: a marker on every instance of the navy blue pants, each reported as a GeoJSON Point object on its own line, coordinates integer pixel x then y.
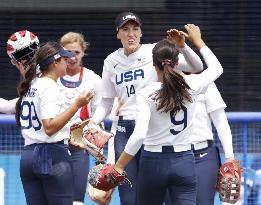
{"type": "Point", "coordinates": [167, 170]}
{"type": "Point", "coordinates": [124, 130]}
{"type": "Point", "coordinates": [46, 174]}
{"type": "Point", "coordinates": [207, 167]}
{"type": "Point", "coordinates": [80, 166]}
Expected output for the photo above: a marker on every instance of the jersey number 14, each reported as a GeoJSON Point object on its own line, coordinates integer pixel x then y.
{"type": "Point", "coordinates": [130, 90]}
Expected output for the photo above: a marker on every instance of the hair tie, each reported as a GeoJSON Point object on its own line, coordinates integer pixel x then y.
{"type": "Point", "coordinates": [168, 62]}
{"type": "Point", "coordinates": [38, 71]}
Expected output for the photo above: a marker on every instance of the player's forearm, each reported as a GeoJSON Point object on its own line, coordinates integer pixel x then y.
{"type": "Point", "coordinates": [122, 161]}
{"type": "Point", "coordinates": [214, 69]}
{"type": "Point", "coordinates": [141, 125]}
{"type": "Point", "coordinates": [8, 106]}
{"type": "Point", "coordinates": [111, 152]}
{"type": "Point", "coordinates": [51, 126]}
{"type": "Point", "coordinates": [94, 104]}
{"type": "Point", "coordinates": [102, 110]}
{"type": "Point", "coordinates": [96, 100]}
{"type": "Point", "coordinates": [194, 63]}
{"type": "Point", "coordinates": [199, 43]}
{"type": "Point", "coordinates": [220, 122]}
{"type": "Point", "coordinates": [135, 142]}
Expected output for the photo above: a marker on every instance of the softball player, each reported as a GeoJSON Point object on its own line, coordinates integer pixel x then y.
{"type": "Point", "coordinates": [77, 80]}
{"type": "Point", "coordinates": [20, 47]}
{"type": "Point", "coordinates": [209, 108]}
{"type": "Point", "coordinates": [45, 166]}
{"type": "Point", "coordinates": [126, 71]}
{"type": "Point", "coordinates": [165, 112]}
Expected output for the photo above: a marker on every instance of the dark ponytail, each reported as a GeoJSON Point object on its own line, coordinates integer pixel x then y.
{"type": "Point", "coordinates": [174, 91]}
{"type": "Point", "coordinates": [43, 52]}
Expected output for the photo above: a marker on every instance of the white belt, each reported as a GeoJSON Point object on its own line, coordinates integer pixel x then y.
{"type": "Point", "coordinates": [158, 148]}
{"type": "Point", "coordinates": [200, 145]}
{"type": "Point", "coordinates": [66, 141]}
{"type": "Point", "coordinates": [126, 117]}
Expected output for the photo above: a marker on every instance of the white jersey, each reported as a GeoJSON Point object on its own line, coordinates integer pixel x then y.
{"type": "Point", "coordinates": [70, 87]}
{"type": "Point", "coordinates": [206, 103]}
{"type": "Point", "coordinates": [41, 102]}
{"type": "Point", "coordinates": [154, 128]}
{"type": "Point", "coordinates": [124, 75]}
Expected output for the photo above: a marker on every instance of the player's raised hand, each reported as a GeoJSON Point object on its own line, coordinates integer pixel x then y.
{"type": "Point", "coordinates": [176, 37]}
{"type": "Point", "coordinates": [20, 67]}
{"type": "Point", "coordinates": [194, 35]}
{"type": "Point", "coordinates": [84, 98]}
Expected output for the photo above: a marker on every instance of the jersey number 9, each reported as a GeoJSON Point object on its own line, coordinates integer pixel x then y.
{"type": "Point", "coordinates": [179, 122]}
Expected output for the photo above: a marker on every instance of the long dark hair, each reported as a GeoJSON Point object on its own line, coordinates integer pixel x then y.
{"type": "Point", "coordinates": [43, 53]}
{"type": "Point", "coordinates": [174, 91]}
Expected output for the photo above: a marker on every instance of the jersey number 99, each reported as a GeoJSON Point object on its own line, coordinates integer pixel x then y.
{"type": "Point", "coordinates": [28, 115]}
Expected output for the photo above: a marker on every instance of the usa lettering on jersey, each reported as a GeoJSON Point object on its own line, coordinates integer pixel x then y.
{"type": "Point", "coordinates": [129, 76]}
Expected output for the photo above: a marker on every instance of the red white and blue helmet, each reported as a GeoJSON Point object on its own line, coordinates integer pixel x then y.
{"type": "Point", "coordinates": [22, 45]}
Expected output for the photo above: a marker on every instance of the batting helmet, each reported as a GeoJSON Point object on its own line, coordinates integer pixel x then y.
{"type": "Point", "coordinates": [22, 45]}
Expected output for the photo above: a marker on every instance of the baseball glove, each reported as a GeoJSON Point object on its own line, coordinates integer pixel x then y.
{"type": "Point", "coordinates": [229, 181]}
{"type": "Point", "coordinates": [95, 136]}
{"type": "Point", "coordinates": [105, 177]}
{"type": "Point", "coordinates": [80, 135]}
{"type": "Point", "coordinates": [99, 196]}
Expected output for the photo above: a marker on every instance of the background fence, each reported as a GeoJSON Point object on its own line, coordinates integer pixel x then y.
{"type": "Point", "coordinates": [231, 28]}
{"type": "Point", "coordinates": [246, 130]}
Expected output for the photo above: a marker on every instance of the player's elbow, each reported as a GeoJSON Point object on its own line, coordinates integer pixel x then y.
{"type": "Point", "coordinates": [49, 132]}
{"type": "Point", "coordinates": [49, 128]}
{"type": "Point", "coordinates": [220, 69]}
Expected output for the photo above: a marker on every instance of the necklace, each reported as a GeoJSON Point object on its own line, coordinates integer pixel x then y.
{"type": "Point", "coordinates": [70, 84]}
